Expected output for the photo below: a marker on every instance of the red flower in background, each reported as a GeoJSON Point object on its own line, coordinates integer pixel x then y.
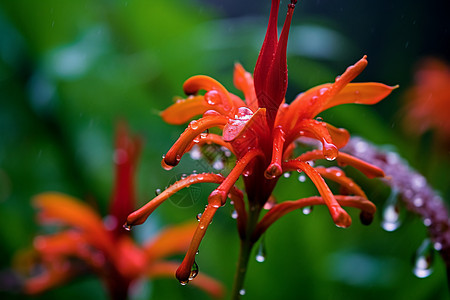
{"type": "Point", "coordinates": [262, 131]}
{"type": "Point", "coordinates": [86, 243]}
{"type": "Point", "coordinates": [429, 99]}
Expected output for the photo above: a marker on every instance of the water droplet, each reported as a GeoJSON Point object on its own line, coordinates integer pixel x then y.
{"type": "Point", "coordinates": [307, 210]}
{"type": "Point", "coordinates": [127, 227]}
{"type": "Point", "coordinates": [391, 218]}
{"type": "Point", "coordinates": [194, 271]}
{"type": "Point", "coordinates": [261, 254]}
{"type": "Point", "coordinates": [391, 213]}
{"type": "Point", "coordinates": [234, 214]}
{"type": "Point", "coordinates": [194, 124]}
{"type": "Point", "coordinates": [213, 97]}
{"type": "Point", "coordinates": [330, 151]}
{"type": "Point", "coordinates": [423, 260]}
{"type": "Point", "coordinates": [195, 153]}
{"type": "Point", "coordinates": [157, 192]}
{"type": "Point", "coordinates": [243, 113]}
{"type": "Point", "coordinates": [287, 175]}
{"type": "Point", "coordinates": [302, 178]}
{"type": "Point", "coordinates": [199, 216]}
{"type": "Point", "coordinates": [218, 164]}
{"type": "Point", "coordinates": [184, 282]}
{"type": "Point", "coordinates": [319, 119]}
{"type": "Point", "coordinates": [242, 292]}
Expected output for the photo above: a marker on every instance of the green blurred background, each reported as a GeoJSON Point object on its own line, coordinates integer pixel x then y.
{"type": "Point", "coordinates": [69, 70]}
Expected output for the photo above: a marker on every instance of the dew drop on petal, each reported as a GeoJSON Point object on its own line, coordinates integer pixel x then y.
{"type": "Point", "coordinates": [194, 124]}
{"type": "Point", "coordinates": [213, 97]}
{"type": "Point", "coordinates": [194, 271]}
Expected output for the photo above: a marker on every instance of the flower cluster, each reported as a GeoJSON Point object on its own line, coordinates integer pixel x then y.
{"type": "Point", "coordinates": [262, 131]}
{"type": "Point", "coordinates": [87, 243]}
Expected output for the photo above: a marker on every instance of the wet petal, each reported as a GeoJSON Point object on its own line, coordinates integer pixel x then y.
{"type": "Point", "coordinates": [184, 110]}
{"type": "Point", "coordinates": [166, 269]}
{"type": "Point", "coordinates": [243, 80]}
{"type": "Point", "coordinates": [285, 207]}
{"type": "Point", "coordinates": [236, 127]}
{"type": "Point", "coordinates": [360, 93]}
{"type": "Point", "coordinates": [196, 127]}
{"type": "Point", "coordinates": [140, 215]}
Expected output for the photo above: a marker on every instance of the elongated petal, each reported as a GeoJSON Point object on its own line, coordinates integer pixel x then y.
{"type": "Point", "coordinates": [360, 93]}
{"type": "Point", "coordinates": [70, 211]}
{"type": "Point", "coordinates": [340, 216]}
{"type": "Point", "coordinates": [319, 130]}
{"type": "Point", "coordinates": [337, 175]}
{"type": "Point", "coordinates": [339, 136]}
{"type": "Point", "coordinates": [219, 195]}
{"type": "Point", "coordinates": [184, 272]}
{"type": "Point", "coordinates": [184, 110]}
{"type": "Point", "coordinates": [285, 207]}
{"type": "Point", "coordinates": [367, 169]}
{"type": "Point", "coordinates": [216, 93]}
{"type": "Point", "coordinates": [127, 151]}
{"type": "Point", "coordinates": [243, 80]}
{"type": "Point", "coordinates": [140, 215]}
{"type": "Point", "coordinates": [173, 156]}
{"type": "Point", "coordinates": [275, 169]}
{"type": "Point", "coordinates": [170, 241]}
{"type": "Point", "coordinates": [166, 269]}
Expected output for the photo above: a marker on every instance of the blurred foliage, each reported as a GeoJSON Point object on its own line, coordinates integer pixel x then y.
{"type": "Point", "coordinates": [70, 69]}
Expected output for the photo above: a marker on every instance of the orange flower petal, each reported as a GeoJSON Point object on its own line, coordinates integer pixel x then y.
{"type": "Point", "coordinates": [243, 80]}
{"type": "Point", "coordinates": [184, 110]}
{"type": "Point", "coordinates": [172, 240]}
{"type": "Point", "coordinates": [285, 207]}
{"type": "Point", "coordinates": [70, 211]}
{"type": "Point", "coordinates": [360, 93]}
{"type": "Point", "coordinates": [340, 216]}
{"type": "Point", "coordinates": [140, 215]}
{"type": "Point", "coordinates": [162, 269]}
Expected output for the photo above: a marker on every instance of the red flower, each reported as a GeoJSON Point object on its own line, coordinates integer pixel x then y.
{"type": "Point", "coordinates": [89, 244]}
{"type": "Point", "coordinates": [262, 132]}
{"type": "Point", "coordinates": [429, 99]}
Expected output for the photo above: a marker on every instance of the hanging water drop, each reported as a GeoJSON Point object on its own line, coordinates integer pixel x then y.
{"type": "Point", "coordinates": [127, 227]}
{"type": "Point", "coordinates": [194, 271]}
{"type": "Point", "coordinates": [261, 254]}
{"type": "Point", "coordinates": [391, 213]}
{"type": "Point", "coordinates": [302, 178]}
{"type": "Point", "coordinates": [157, 192]}
{"type": "Point", "coordinates": [199, 216]}
{"type": "Point", "coordinates": [307, 210]}
{"type": "Point", "coordinates": [234, 214]}
{"type": "Point", "coordinates": [423, 260]}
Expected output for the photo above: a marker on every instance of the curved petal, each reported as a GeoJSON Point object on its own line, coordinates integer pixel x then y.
{"type": "Point", "coordinates": [360, 93]}
{"type": "Point", "coordinates": [185, 109]}
{"type": "Point", "coordinates": [172, 240]}
{"type": "Point", "coordinates": [216, 93]}
{"type": "Point", "coordinates": [68, 210]}
{"type": "Point", "coordinates": [163, 269]}
{"type": "Point", "coordinates": [140, 215]}
{"type": "Point", "coordinates": [243, 81]}
{"type": "Point", "coordinates": [285, 207]}
{"type": "Point", "coordinates": [196, 127]}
